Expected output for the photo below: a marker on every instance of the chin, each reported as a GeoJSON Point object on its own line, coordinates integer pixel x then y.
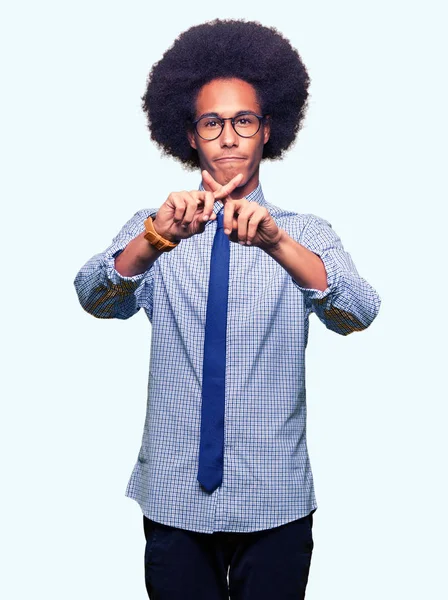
{"type": "Point", "coordinates": [226, 175]}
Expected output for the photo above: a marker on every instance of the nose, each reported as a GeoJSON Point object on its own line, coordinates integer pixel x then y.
{"type": "Point", "coordinates": [229, 136]}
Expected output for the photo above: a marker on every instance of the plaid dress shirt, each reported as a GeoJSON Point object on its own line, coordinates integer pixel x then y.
{"type": "Point", "coordinates": [267, 477]}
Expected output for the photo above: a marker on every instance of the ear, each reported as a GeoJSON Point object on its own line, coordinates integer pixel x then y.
{"type": "Point", "coordinates": [191, 139]}
{"type": "Point", "coordinates": [266, 129]}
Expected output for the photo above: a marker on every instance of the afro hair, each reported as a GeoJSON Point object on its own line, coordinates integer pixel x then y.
{"type": "Point", "coordinates": [225, 49]}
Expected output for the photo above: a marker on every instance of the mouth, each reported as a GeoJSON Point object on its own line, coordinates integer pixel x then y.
{"type": "Point", "coordinates": [229, 158]}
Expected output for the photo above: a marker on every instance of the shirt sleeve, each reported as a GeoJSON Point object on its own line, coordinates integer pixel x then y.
{"type": "Point", "coordinates": [106, 294]}
{"type": "Point", "coordinates": [349, 303]}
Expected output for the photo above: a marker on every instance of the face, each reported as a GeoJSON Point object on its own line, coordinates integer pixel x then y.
{"type": "Point", "coordinates": [230, 153]}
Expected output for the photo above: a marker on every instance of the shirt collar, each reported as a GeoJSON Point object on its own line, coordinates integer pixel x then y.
{"type": "Point", "coordinates": [255, 196]}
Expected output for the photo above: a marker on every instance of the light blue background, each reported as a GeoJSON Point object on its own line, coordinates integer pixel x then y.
{"type": "Point", "coordinates": [77, 163]}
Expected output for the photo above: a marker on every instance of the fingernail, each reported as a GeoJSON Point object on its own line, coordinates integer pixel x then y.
{"type": "Point", "coordinates": [227, 231]}
{"type": "Point", "coordinates": [205, 217]}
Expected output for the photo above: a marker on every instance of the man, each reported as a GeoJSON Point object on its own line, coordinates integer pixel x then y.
{"type": "Point", "coordinates": [228, 282]}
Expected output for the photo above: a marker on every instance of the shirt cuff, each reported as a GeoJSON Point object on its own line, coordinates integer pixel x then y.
{"type": "Point", "coordinates": [332, 276]}
{"type": "Point", "coordinates": [113, 275]}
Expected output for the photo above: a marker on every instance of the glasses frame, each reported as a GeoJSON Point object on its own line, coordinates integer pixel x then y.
{"type": "Point", "coordinates": [232, 120]}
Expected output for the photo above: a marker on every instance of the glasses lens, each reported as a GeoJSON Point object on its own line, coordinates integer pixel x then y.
{"type": "Point", "coordinates": [247, 125]}
{"type": "Point", "coordinates": [209, 128]}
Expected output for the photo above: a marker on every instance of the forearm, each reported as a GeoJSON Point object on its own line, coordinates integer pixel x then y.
{"type": "Point", "coordinates": [138, 256]}
{"type": "Point", "coordinates": [304, 266]}
{"type": "Point", "coordinates": [326, 276]}
{"type": "Point", "coordinates": [107, 292]}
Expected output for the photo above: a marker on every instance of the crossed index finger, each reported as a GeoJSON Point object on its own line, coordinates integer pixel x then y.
{"type": "Point", "coordinates": [222, 191]}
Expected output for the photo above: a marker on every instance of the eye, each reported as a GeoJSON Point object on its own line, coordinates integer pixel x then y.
{"type": "Point", "coordinates": [245, 120]}
{"type": "Point", "coordinates": [210, 123]}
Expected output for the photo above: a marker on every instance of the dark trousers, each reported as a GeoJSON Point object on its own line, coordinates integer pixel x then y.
{"type": "Point", "coordinates": [261, 565]}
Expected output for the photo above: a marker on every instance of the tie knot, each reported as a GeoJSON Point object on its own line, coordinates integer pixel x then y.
{"type": "Point", "coordinates": [221, 219]}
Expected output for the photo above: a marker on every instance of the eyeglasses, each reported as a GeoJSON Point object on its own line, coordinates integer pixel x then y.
{"type": "Point", "coordinates": [245, 125]}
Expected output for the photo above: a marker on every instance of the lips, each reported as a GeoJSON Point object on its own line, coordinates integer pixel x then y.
{"type": "Point", "coordinates": [230, 158]}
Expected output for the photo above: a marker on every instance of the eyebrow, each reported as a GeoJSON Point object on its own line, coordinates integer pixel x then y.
{"type": "Point", "coordinates": [215, 114]}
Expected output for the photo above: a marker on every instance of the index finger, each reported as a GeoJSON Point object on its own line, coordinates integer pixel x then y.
{"type": "Point", "coordinates": [228, 188]}
{"type": "Point", "coordinates": [208, 205]}
{"type": "Point", "coordinates": [211, 181]}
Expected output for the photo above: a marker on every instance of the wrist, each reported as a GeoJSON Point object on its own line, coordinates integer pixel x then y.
{"type": "Point", "coordinates": [164, 234]}
{"type": "Point", "coordinates": [276, 246]}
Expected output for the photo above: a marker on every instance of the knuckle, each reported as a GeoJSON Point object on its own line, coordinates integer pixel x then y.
{"type": "Point", "coordinates": [172, 198]}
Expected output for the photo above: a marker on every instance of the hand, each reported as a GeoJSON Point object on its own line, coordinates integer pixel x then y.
{"type": "Point", "coordinates": [246, 222]}
{"type": "Point", "coordinates": [185, 214]}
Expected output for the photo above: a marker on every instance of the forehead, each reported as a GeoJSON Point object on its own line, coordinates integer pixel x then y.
{"type": "Point", "coordinates": [226, 96]}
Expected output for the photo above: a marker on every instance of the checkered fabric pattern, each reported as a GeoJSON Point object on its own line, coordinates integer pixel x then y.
{"type": "Point", "coordinates": [267, 477]}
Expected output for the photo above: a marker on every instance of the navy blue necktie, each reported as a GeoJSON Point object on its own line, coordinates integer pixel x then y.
{"type": "Point", "coordinates": [211, 449]}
